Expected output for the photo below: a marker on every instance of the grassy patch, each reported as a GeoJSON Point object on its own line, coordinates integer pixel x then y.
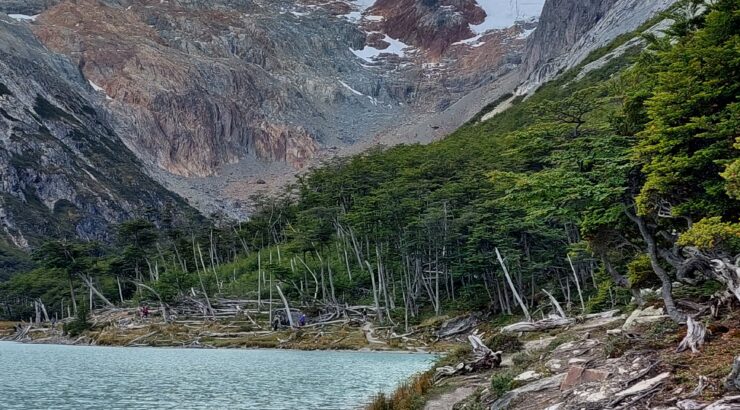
{"type": "Point", "coordinates": [505, 342]}
{"type": "Point", "coordinates": [456, 355]}
{"type": "Point", "coordinates": [615, 346]}
{"type": "Point", "coordinates": [408, 396]}
{"type": "Point", "coordinates": [501, 383]}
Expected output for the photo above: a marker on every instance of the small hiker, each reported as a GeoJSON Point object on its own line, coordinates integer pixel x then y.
{"type": "Point", "coordinates": [275, 323]}
{"type": "Point", "coordinates": [145, 311]}
{"type": "Point", "coordinates": [302, 320]}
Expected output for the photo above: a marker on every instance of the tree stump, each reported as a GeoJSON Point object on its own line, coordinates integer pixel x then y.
{"type": "Point", "coordinates": [695, 334]}
{"type": "Point", "coordinates": [732, 382]}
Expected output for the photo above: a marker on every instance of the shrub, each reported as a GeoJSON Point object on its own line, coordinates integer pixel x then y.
{"type": "Point", "coordinates": [456, 355]}
{"type": "Point", "coordinates": [79, 324]}
{"type": "Point", "coordinates": [501, 383]}
{"type": "Point", "coordinates": [505, 342]}
{"type": "Point", "coordinates": [615, 346]}
{"type": "Point", "coordinates": [607, 296]}
{"type": "Point", "coordinates": [711, 234]}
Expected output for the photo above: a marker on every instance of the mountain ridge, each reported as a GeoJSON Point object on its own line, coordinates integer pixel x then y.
{"type": "Point", "coordinates": [224, 101]}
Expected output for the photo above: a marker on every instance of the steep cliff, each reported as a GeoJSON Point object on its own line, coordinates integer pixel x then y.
{"type": "Point", "coordinates": [63, 170]}
{"type": "Point", "coordinates": [569, 30]}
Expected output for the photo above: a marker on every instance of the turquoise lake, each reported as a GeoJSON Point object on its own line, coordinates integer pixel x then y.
{"type": "Point", "coordinates": [88, 377]}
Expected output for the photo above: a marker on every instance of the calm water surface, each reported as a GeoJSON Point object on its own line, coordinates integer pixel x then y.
{"type": "Point", "coordinates": [81, 377]}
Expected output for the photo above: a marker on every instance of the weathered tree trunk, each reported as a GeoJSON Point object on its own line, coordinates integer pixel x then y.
{"type": "Point", "coordinates": [259, 281]}
{"type": "Point", "coordinates": [555, 303]}
{"type": "Point", "coordinates": [287, 307]}
{"type": "Point", "coordinates": [43, 310]}
{"type": "Point", "coordinates": [578, 285]}
{"type": "Point", "coordinates": [346, 261]}
{"type": "Point", "coordinates": [270, 298]}
{"type": "Point", "coordinates": [667, 285]}
{"type": "Point", "coordinates": [484, 358]}
{"type": "Point", "coordinates": [94, 290]}
{"type": "Point", "coordinates": [551, 323]}
{"type": "Point", "coordinates": [511, 284]}
{"type": "Point", "coordinates": [315, 279]}
{"type": "Point", "coordinates": [375, 292]}
{"type": "Point", "coordinates": [37, 310]}
{"type": "Point", "coordinates": [120, 291]}
{"type": "Point", "coordinates": [205, 270]}
{"type": "Point", "coordinates": [695, 334]}
{"type": "Point", "coordinates": [728, 273]}
{"type": "Point", "coordinates": [72, 295]}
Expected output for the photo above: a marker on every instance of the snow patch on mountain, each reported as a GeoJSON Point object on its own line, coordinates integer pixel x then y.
{"type": "Point", "coordinates": [501, 14]}
{"type": "Point", "coordinates": [369, 53]}
{"type": "Point", "coordinates": [350, 88]}
{"type": "Point", "coordinates": [22, 17]}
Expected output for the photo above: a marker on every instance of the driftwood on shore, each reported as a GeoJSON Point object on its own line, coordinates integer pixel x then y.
{"type": "Point", "coordinates": [483, 358]}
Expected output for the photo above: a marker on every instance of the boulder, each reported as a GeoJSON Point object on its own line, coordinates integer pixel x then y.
{"type": "Point", "coordinates": [528, 376]}
{"type": "Point", "coordinates": [648, 315]}
{"type": "Point", "coordinates": [578, 374]}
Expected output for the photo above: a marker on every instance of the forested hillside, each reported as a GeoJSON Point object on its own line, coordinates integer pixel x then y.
{"type": "Point", "coordinates": [604, 182]}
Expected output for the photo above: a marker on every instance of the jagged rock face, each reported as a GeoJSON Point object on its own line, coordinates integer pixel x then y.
{"type": "Point", "coordinates": [562, 23]}
{"type": "Point", "coordinates": [569, 30]}
{"type": "Point", "coordinates": [430, 24]}
{"type": "Point", "coordinates": [63, 170]}
{"type": "Point", "coordinates": [26, 7]}
{"type": "Point", "coordinates": [196, 85]}
{"type": "Point", "coordinates": [215, 92]}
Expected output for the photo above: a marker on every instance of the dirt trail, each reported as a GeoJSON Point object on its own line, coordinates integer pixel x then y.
{"type": "Point", "coordinates": [447, 400]}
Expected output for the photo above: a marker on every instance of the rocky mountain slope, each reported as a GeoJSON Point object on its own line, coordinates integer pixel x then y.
{"type": "Point", "coordinates": [196, 87]}
{"type": "Point", "coordinates": [221, 100]}
{"type": "Point", "coordinates": [64, 171]}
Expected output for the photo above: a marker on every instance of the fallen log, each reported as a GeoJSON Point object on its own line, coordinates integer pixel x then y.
{"type": "Point", "coordinates": [483, 358]}
{"type": "Point", "coordinates": [553, 322]}
{"type": "Point", "coordinates": [132, 342]}
{"type": "Point", "coordinates": [234, 334]}
{"type": "Point", "coordinates": [725, 403]}
{"type": "Point", "coordinates": [331, 322]}
{"type": "Point", "coordinates": [22, 333]}
{"type": "Point", "coordinates": [544, 324]}
{"type": "Point", "coordinates": [640, 388]}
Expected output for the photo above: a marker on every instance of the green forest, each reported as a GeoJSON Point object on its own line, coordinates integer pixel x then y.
{"type": "Point", "coordinates": [600, 184]}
